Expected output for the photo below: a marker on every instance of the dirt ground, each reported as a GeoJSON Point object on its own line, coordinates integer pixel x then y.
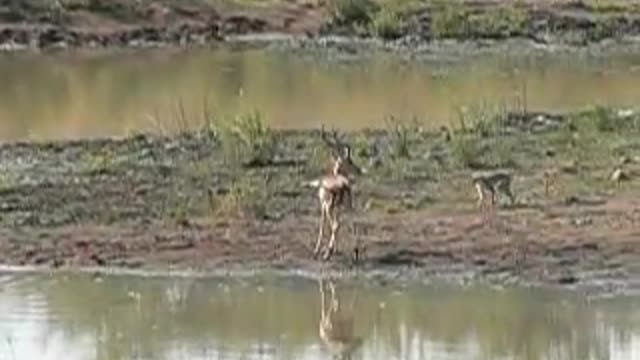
{"type": "Point", "coordinates": [159, 203]}
{"type": "Point", "coordinates": [126, 23]}
{"type": "Point", "coordinates": [589, 246]}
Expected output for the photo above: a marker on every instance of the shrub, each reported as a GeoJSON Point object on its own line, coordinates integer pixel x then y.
{"type": "Point", "coordinates": [387, 23]}
{"type": "Point", "coordinates": [352, 12]}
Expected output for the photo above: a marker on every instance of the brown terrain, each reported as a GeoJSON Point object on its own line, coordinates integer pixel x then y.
{"type": "Point", "coordinates": [190, 203]}
{"type": "Point", "coordinates": [588, 245]}
{"type": "Point", "coordinates": [181, 203]}
{"type": "Point", "coordinates": [127, 23]}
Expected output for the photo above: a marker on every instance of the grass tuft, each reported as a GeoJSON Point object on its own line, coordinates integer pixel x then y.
{"type": "Point", "coordinates": [250, 140]}
{"type": "Point", "coordinates": [449, 19]}
{"type": "Point", "coordinates": [401, 135]}
{"type": "Point", "coordinates": [387, 23]}
{"type": "Point", "coordinates": [247, 197]}
{"type": "Point", "coordinates": [352, 12]}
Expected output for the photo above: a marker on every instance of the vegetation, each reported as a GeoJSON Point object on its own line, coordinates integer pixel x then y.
{"type": "Point", "coordinates": [249, 140]}
{"type": "Point", "coordinates": [389, 19]}
{"type": "Point", "coordinates": [244, 168]}
{"type": "Point", "coordinates": [352, 12]}
{"type": "Point", "coordinates": [384, 19]}
{"type": "Point", "coordinates": [484, 138]}
{"type": "Point", "coordinates": [452, 19]}
{"type": "Point", "coordinates": [247, 197]}
{"type": "Point", "coordinates": [387, 23]}
{"type": "Point", "coordinates": [401, 137]}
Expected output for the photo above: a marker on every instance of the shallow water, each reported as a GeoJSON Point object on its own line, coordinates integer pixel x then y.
{"type": "Point", "coordinates": [91, 94]}
{"type": "Point", "coordinates": [124, 317]}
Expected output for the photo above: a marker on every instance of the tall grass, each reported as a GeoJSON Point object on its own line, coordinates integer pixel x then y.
{"type": "Point", "coordinates": [176, 120]}
{"type": "Point", "coordinates": [248, 140]}
{"type": "Point", "coordinates": [246, 197]}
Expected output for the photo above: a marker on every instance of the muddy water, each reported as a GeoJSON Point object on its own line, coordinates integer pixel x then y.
{"type": "Point", "coordinates": [88, 317]}
{"type": "Point", "coordinates": [80, 95]}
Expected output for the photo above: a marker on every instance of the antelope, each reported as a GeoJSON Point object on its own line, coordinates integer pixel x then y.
{"type": "Point", "coordinates": [492, 182]}
{"type": "Point", "coordinates": [336, 324]}
{"type": "Point", "coordinates": [334, 190]}
{"type": "Point", "coordinates": [619, 173]}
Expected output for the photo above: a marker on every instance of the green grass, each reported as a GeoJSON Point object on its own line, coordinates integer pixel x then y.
{"type": "Point", "coordinates": [382, 19]}
{"type": "Point", "coordinates": [452, 19]}
{"type": "Point", "coordinates": [97, 163]}
{"type": "Point", "coordinates": [246, 197]}
{"type": "Point", "coordinates": [401, 135]}
{"type": "Point", "coordinates": [464, 150]}
{"type": "Point", "coordinates": [7, 181]}
{"type": "Point", "coordinates": [387, 23]}
{"type": "Point", "coordinates": [249, 140]}
{"type": "Point", "coordinates": [414, 169]}
{"type": "Point", "coordinates": [504, 21]}
{"type": "Point", "coordinates": [352, 12]}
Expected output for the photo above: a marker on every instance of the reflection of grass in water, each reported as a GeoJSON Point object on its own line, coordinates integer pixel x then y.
{"type": "Point", "coordinates": [510, 323]}
{"type": "Point", "coordinates": [210, 315]}
{"type": "Point", "coordinates": [206, 316]}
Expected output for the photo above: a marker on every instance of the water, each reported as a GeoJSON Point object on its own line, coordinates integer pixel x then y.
{"type": "Point", "coordinates": [124, 317]}
{"type": "Point", "coordinates": [92, 94]}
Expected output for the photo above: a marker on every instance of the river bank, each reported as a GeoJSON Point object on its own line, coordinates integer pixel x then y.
{"type": "Point", "coordinates": [231, 196]}
{"type": "Point", "coordinates": [407, 24]}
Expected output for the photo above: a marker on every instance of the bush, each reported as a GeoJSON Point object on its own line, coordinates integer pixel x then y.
{"type": "Point", "coordinates": [505, 21]}
{"type": "Point", "coordinates": [352, 12]}
{"type": "Point", "coordinates": [464, 151]}
{"type": "Point", "coordinates": [387, 23]}
{"type": "Point", "coordinates": [256, 142]}
{"type": "Point", "coordinates": [450, 20]}
{"type": "Point", "coordinates": [401, 135]}
{"type": "Point", "coordinates": [245, 198]}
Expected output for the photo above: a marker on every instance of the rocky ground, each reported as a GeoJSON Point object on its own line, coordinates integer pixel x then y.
{"type": "Point", "coordinates": [233, 197]}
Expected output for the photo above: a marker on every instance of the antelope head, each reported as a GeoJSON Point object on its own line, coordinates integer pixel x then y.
{"type": "Point", "coordinates": [341, 154]}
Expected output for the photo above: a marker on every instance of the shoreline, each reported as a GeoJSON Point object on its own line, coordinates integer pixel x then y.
{"type": "Point", "coordinates": [204, 202]}
{"type": "Point", "coordinates": [158, 23]}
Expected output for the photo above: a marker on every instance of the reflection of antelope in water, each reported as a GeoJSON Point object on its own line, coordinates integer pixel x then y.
{"type": "Point", "coordinates": [336, 324]}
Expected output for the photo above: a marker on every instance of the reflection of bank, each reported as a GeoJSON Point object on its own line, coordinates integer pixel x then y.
{"type": "Point", "coordinates": [336, 323]}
